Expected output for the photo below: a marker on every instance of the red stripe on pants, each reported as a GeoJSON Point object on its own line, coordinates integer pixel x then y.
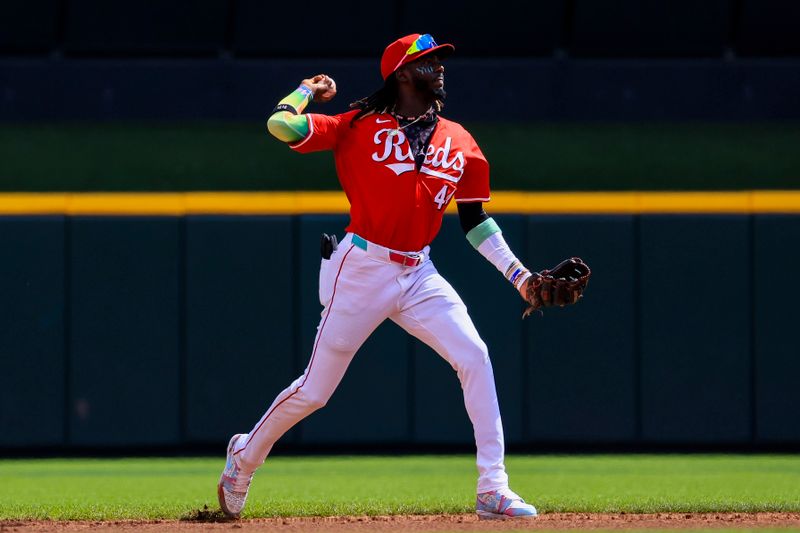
{"type": "Point", "coordinates": [313, 353]}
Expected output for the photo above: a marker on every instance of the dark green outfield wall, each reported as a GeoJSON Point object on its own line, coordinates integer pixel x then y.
{"type": "Point", "coordinates": [118, 156]}
{"type": "Point", "coordinates": [172, 331]}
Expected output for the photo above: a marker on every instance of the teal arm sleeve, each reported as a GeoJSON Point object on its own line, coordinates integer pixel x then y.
{"type": "Point", "coordinates": [482, 231]}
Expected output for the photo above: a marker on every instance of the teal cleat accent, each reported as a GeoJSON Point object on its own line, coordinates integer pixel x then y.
{"type": "Point", "coordinates": [502, 504]}
{"type": "Point", "coordinates": [233, 484]}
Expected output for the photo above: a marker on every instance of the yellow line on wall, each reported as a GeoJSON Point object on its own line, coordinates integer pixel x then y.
{"type": "Point", "coordinates": [299, 202]}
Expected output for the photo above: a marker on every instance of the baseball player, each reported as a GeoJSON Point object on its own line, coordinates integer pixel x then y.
{"type": "Point", "coordinates": [400, 164]}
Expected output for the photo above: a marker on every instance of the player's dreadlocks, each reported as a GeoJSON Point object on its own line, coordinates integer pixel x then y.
{"type": "Point", "coordinates": [383, 101]}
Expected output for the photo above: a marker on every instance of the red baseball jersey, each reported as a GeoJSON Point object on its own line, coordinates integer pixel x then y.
{"type": "Point", "coordinates": [391, 203]}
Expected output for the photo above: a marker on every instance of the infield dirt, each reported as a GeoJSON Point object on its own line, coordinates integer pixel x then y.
{"type": "Point", "coordinates": [423, 523]}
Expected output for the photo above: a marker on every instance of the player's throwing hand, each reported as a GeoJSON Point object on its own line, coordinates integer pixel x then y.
{"type": "Point", "coordinates": [322, 86]}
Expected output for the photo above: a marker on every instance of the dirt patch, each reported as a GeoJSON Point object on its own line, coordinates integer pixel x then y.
{"type": "Point", "coordinates": [206, 520]}
{"type": "Point", "coordinates": [205, 515]}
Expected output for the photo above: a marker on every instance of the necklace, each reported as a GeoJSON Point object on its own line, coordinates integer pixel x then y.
{"type": "Point", "coordinates": [399, 128]}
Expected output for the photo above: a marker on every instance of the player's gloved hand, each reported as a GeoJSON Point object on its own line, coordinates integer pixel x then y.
{"type": "Point", "coordinates": [322, 86]}
{"type": "Point", "coordinates": [563, 284]}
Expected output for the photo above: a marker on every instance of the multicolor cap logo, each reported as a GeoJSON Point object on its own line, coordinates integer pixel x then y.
{"type": "Point", "coordinates": [410, 48]}
{"type": "Point", "coordinates": [423, 42]}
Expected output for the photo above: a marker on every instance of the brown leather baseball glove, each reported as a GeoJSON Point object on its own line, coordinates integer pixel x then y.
{"type": "Point", "coordinates": [563, 284]}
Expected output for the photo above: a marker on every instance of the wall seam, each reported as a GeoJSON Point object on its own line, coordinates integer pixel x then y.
{"type": "Point", "coordinates": [524, 343]}
{"type": "Point", "coordinates": [296, 432]}
{"type": "Point", "coordinates": [230, 31]}
{"type": "Point", "coordinates": [638, 354]}
{"type": "Point", "coordinates": [567, 26]}
{"type": "Point", "coordinates": [734, 24]}
{"type": "Point", "coordinates": [751, 243]}
{"type": "Point", "coordinates": [67, 325]}
{"type": "Point", "coordinates": [183, 367]}
{"type": "Point", "coordinates": [411, 388]}
{"type": "Point", "coordinates": [60, 30]}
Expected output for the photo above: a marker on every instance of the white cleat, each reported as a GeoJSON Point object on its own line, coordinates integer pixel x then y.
{"type": "Point", "coordinates": [502, 504]}
{"type": "Point", "coordinates": [233, 484]}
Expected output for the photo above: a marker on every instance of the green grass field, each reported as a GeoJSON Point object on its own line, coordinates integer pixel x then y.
{"type": "Point", "coordinates": [534, 156]}
{"type": "Point", "coordinates": [105, 489]}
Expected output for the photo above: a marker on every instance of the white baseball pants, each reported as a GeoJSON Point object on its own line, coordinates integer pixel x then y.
{"type": "Point", "coordinates": [360, 289]}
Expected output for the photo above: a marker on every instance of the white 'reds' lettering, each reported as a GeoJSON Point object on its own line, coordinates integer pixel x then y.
{"type": "Point", "coordinates": [395, 141]}
{"type": "Point", "coordinates": [440, 157]}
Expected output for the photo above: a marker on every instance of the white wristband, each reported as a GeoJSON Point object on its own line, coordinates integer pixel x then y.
{"type": "Point", "coordinates": [496, 250]}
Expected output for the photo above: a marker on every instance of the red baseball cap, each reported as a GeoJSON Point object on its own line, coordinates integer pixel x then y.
{"type": "Point", "coordinates": [410, 48]}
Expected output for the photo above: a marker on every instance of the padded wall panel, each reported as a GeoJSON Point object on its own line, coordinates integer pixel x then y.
{"type": "Point", "coordinates": [161, 27]}
{"type": "Point", "coordinates": [695, 339]}
{"type": "Point", "coordinates": [769, 28]}
{"type": "Point", "coordinates": [28, 26]}
{"type": "Point", "coordinates": [350, 28]}
{"type": "Point", "coordinates": [239, 321]}
{"type": "Point", "coordinates": [32, 331]}
{"type": "Point", "coordinates": [124, 344]}
{"type": "Point", "coordinates": [371, 403]}
{"type": "Point", "coordinates": [645, 28]}
{"type": "Point", "coordinates": [494, 306]}
{"type": "Point", "coordinates": [777, 364]}
{"type": "Point", "coordinates": [581, 359]}
{"type": "Point", "coordinates": [532, 28]}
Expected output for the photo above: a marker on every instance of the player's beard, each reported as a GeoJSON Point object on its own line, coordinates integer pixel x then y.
{"type": "Point", "coordinates": [432, 93]}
